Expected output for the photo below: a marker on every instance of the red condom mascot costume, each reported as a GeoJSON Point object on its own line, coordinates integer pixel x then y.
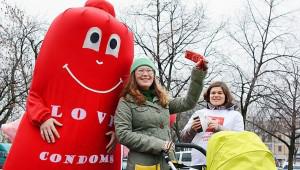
{"type": "Point", "coordinates": [81, 68]}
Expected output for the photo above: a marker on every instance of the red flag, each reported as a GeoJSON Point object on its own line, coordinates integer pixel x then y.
{"type": "Point", "coordinates": [172, 119]}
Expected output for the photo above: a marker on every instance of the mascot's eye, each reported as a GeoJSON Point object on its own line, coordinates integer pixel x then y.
{"type": "Point", "coordinates": [93, 39]}
{"type": "Point", "coordinates": [113, 45]}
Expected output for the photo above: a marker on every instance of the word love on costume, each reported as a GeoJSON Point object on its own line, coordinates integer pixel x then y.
{"type": "Point", "coordinates": [81, 114]}
{"type": "Point", "coordinates": [80, 71]}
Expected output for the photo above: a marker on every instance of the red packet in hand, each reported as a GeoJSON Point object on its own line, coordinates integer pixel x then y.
{"type": "Point", "coordinates": [195, 57]}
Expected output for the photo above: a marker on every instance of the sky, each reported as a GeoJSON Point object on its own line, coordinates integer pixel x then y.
{"type": "Point", "coordinates": [49, 9]}
{"type": "Point", "coordinates": [215, 9]}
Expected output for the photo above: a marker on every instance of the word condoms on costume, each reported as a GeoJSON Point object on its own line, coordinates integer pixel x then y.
{"type": "Point", "coordinates": [80, 114]}
{"type": "Point", "coordinates": [76, 159]}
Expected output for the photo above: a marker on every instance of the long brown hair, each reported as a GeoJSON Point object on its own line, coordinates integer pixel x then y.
{"type": "Point", "coordinates": [228, 97]}
{"type": "Point", "coordinates": [132, 88]}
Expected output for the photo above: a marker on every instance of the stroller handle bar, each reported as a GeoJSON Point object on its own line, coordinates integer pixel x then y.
{"type": "Point", "coordinates": [190, 145]}
{"type": "Point", "coordinates": [171, 165]}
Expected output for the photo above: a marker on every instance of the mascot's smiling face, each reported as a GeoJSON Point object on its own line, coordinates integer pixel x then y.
{"type": "Point", "coordinates": [91, 46]}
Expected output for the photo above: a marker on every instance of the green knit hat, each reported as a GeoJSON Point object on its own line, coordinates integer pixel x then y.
{"type": "Point", "coordinates": [141, 61]}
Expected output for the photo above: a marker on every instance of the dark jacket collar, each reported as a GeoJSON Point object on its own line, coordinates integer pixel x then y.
{"type": "Point", "coordinates": [155, 103]}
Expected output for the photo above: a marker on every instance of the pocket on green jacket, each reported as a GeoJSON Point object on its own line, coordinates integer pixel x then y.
{"type": "Point", "coordinates": [147, 167]}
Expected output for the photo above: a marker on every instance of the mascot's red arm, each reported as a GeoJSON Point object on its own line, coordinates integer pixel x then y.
{"type": "Point", "coordinates": [36, 109]}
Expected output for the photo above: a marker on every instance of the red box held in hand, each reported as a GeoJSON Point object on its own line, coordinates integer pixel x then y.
{"type": "Point", "coordinates": [195, 57]}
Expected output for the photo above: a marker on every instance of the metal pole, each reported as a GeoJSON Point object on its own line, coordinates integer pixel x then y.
{"type": "Point", "coordinates": [170, 163]}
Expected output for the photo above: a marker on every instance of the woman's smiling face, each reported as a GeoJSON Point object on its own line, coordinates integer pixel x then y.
{"type": "Point", "coordinates": [144, 76]}
{"type": "Point", "coordinates": [217, 96]}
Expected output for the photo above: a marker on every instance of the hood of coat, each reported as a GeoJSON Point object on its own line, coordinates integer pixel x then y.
{"type": "Point", "coordinates": [129, 98]}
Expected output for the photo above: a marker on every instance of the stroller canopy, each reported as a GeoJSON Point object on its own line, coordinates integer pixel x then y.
{"type": "Point", "coordinates": [228, 150]}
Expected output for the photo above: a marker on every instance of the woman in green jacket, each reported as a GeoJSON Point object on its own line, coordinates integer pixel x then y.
{"type": "Point", "coordinates": [142, 115]}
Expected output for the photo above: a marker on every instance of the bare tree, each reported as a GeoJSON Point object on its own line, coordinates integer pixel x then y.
{"type": "Point", "coordinates": [264, 45]}
{"type": "Point", "coordinates": [281, 108]}
{"type": "Point", "coordinates": [19, 46]}
{"type": "Point", "coordinates": [164, 29]}
{"type": "Point", "coordinates": [266, 48]}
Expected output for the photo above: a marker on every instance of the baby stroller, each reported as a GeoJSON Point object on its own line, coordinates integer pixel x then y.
{"type": "Point", "coordinates": [233, 150]}
{"type": "Point", "coordinates": [180, 165]}
{"type": "Point", "coordinates": [228, 150]}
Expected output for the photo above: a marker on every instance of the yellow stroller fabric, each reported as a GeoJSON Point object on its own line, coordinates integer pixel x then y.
{"type": "Point", "coordinates": [228, 150]}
